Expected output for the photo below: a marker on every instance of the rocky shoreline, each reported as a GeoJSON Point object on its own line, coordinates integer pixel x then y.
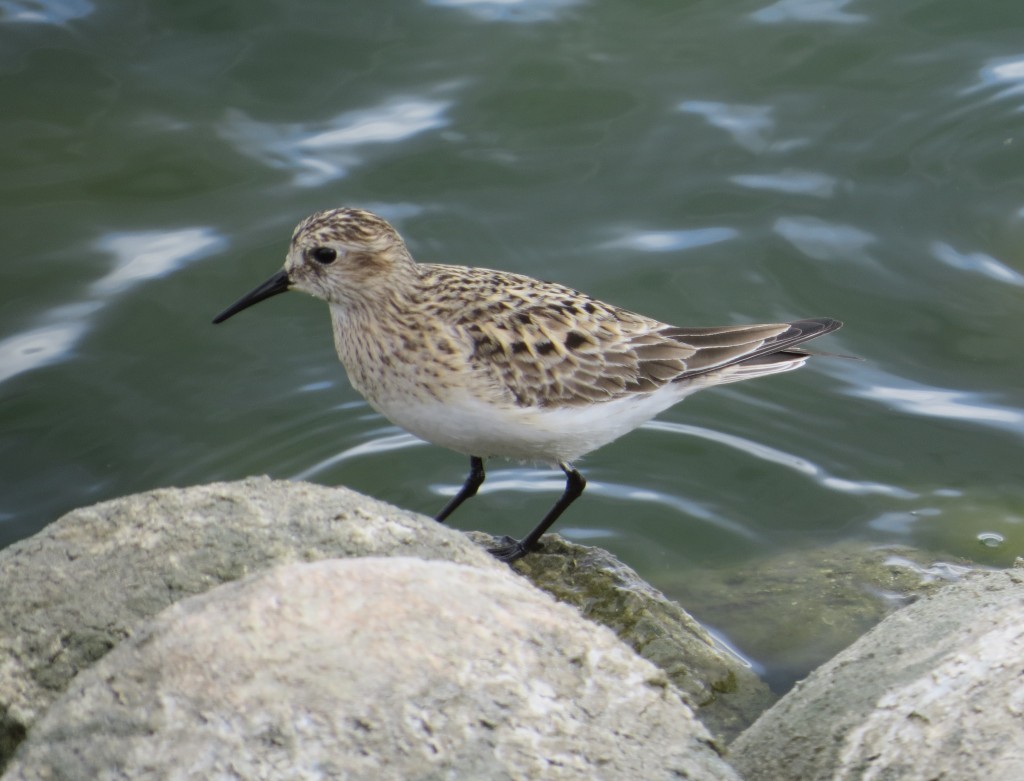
{"type": "Point", "coordinates": [271, 629]}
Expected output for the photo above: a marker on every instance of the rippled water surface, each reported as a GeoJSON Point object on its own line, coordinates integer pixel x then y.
{"type": "Point", "coordinates": [704, 163]}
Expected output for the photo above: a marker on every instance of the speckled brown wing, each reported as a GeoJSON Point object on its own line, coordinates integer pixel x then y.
{"type": "Point", "coordinates": [563, 355]}
{"type": "Point", "coordinates": [548, 345]}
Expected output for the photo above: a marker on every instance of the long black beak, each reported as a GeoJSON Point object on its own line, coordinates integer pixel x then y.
{"type": "Point", "coordinates": [279, 283]}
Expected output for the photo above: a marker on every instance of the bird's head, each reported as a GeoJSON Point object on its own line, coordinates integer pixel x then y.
{"type": "Point", "coordinates": [344, 256]}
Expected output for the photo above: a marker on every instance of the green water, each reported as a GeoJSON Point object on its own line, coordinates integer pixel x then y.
{"type": "Point", "coordinates": [704, 163]}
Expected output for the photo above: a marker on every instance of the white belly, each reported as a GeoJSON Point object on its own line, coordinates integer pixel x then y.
{"type": "Point", "coordinates": [548, 435]}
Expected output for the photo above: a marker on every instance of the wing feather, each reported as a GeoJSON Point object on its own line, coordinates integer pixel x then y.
{"type": "Point", "coordinates": [542, 344]}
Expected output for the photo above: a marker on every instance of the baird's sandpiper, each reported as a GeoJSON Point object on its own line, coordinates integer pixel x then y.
{"type": "Point", "coordinates": [489, 363]}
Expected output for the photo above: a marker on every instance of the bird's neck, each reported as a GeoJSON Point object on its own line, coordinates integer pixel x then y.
{"type": "Point", "coordinates": [381, 341]}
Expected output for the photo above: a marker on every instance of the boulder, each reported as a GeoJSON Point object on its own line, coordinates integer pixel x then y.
{"type": "Point", "coordinates": [78, 587]}
{"type": "Point", "coordinates": [370, 668]}
{"type": "Point", "coordinates": [936, 690]}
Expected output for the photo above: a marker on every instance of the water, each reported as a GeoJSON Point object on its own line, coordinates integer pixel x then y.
{"type": "Point", "coordinates": [704, 163]}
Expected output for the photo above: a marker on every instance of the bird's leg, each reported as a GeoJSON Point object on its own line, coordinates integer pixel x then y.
{"type": "Point", "coordinates": [511, 549]}
{"type": "Point", "coordinates": [474, 480]}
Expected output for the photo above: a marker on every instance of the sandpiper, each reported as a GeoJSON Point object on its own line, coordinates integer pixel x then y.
{"type": "Point", "coordinates": [490, 363]}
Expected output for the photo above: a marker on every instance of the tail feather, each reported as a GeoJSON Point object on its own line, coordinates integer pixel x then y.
{"type": "Point", "coordinates": [770, 354]}
{"type": "Point", "coordinates": [774, 363]}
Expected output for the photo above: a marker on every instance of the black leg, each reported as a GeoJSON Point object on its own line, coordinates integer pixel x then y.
{"type": "Point", "coordinates": [473, 481]}
{"type": "Point", "coordinates": [511, 550]}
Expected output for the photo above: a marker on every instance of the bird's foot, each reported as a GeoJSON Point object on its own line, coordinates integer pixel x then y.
{"type": "Point", "coordinates": [510, 550]}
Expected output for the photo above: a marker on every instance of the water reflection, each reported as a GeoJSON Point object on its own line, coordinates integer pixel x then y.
{"type": "Point", "coordinates": [940, 570]}
{"type": "Point", "coordinates": [830, 11]}
{"type": "Point", "coordinates": [788, 460]}
{"type": "Point", "coordinates": [791, 182]}
{"type": "Point", "coordinates": [746, 124]}
{"type": "Point", "coordinates": [379, 444]}
{"type": "Point", "coordinates": [823, 240]}
{"type": "Point", "coordinates": [44, 11]}
{"type": "Point", "coordinates": [671, 241]}
{"type": "Point", "coordinates": [138, 257]}
{"type": "Point", "coordinates": [319, 152]}
{"type": "Point", "coordinates": [151, 254]}
{"type": "Point", "coordinates": [510, 10]}
{"type": "Point", "coordinates": [902, 523]}
{"type": "Point", "coordinates": [1003, 71]}
{"type": "Point", "coordinates": [918, 399]}
{"type": "Point", "coordinates": [37, 347]}
{"type": "Point", "coordinates": [978, 263]}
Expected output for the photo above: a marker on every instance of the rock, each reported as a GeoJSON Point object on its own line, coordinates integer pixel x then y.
{"type": "Point", "coordinates": [934, 691]}
{"type": "Point", "coordinates": [370, 668]}
{"type": "Point", "coordinates": [76, 589]}
{"type": "Point", "coordinates": [723, 690]}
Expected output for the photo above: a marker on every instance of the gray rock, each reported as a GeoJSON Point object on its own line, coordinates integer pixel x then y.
{"type": "Point", "coordinates": [76, 589]}
{"type": "Point", "coordinates": [934, 691]}
{"type": "Point", "coordinates": [725, 692]}
{"type": "Point", "coordinates": [370, 669]}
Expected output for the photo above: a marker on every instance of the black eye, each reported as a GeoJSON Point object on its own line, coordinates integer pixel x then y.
{"type": "Point", "coordinates": [323, 255]}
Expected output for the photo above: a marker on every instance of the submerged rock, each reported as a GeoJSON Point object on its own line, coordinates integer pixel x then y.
{"type": "Point", "coordinates": [801, 607]}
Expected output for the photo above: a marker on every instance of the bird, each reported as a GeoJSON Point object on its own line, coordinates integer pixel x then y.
{"type": "Point", "coordinates": [496, 364]}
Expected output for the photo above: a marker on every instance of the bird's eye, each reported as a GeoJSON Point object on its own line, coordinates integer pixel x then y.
{"type": "Point", "coordinates": [323, 255]}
